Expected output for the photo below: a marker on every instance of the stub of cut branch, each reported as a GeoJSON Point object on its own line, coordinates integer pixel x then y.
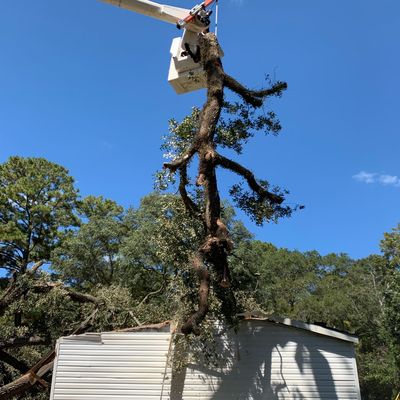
{"type": "Point", "coordinates": [36, 267]}
{"type": "Point", "coordinates": [173, 166]}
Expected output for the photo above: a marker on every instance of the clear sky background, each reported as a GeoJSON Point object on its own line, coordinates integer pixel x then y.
{"type": "Point", "coordinates": [83, 84]}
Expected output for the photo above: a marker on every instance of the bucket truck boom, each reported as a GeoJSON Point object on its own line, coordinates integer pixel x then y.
{"type": "Point", "coordinates": [195, 19]}
{"type": "Point", "coordinates": [185, 72]}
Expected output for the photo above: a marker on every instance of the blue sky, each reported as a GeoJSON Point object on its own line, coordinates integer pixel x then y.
{"type": "Point", "coordinates": [83, 84]}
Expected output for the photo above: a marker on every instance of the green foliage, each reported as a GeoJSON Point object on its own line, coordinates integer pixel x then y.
{"type": "Point", "coordinates": [175, 142]}
{"type": "Point", "coordinates": [390, 246]}
{"type": "Point", "coordinates": [47, 314]}
{"type": "Point", "coordinates": [180, 135]}
{"type": "Point", "coordinates": [156, 253]}
{"type": "Point", "coordinates": [256, 206]}
{"type": "Point", "coordinates": [160, 224]}
{"type": "Point", "coordinates": [279, 279]}
{"type": "Point", "coordinates": [89, 256]}
{"type": "Point", "coordinates": [37, 201]}
{"type": "Point", "coordinates": [238, 123]}
{"type": "Point", "coordinates": [45, 311]}
{"type": "Point", "coordinates": [378, 374]}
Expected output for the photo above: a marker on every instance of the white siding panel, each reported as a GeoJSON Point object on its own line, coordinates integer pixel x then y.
{"type": "Point", "coordinates": [275, 362]}
{"type": "Point", "coordinates": [115, 366]}
{"type": "Point", "coordinates": [263, 361]}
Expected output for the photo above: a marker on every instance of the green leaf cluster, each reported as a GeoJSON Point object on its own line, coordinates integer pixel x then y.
{"type": "Point", "coordinates": [37, 204]}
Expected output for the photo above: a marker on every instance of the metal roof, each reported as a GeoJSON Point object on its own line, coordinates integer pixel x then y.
{"type": "Point", "coordinates": [320, 330]}
{"type": "Point", "coordinates": [317, 329]}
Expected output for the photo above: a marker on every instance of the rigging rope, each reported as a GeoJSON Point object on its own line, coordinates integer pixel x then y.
{"type": "Point", "coordinates": [216, 17]}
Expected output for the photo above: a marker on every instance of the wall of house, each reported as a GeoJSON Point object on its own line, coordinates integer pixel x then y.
{"type": "Point", "coordinates": [269, 361]}
{"type": "Point", "coordinates": [262, 361]}
{"type": "Point", "coordinates": [110, 366]}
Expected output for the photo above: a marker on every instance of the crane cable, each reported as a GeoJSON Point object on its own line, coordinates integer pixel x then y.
{"type": "Point", "coordinates": [216, 17]}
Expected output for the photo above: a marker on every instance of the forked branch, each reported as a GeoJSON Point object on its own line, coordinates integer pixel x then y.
{"type": "Point", "coordinates": [250, 178]}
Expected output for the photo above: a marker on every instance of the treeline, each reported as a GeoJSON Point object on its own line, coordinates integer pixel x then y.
{"type": "Point", "coordinates": [71, 264]}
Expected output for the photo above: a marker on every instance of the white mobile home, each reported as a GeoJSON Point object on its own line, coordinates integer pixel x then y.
{"type": "Point", "coordinates": [265, 360]}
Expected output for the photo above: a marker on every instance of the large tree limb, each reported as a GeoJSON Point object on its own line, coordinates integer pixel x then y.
{"type": "Point", "coordinates": [15, 292]}
{"type": "Point", "coordinates": [83, 297]}
{"type": "Point", "coordinates": [250, 178]}
{"type": "Point", "coordinates": [39, 370]}
{"type": "Point", "coordinates": [23, 341]}
{"type": "Point", "coordinates": [190, 206]}
{"type": "Point", "coordinates": [74, 296]}
{"type": "Point", "coordinates": [13, 362]}
{"type": "Point", "coordinates": [211, 60]}
{"type": "Point", "coordinates": [193, 322]}
{"type": "Point", "coordinates": [26, 381]}
{"type": "Point", "coordinates": [78, 297]}
{"type": "Point", "coordinates": [253, 97]}
{"type": "Point", "coordinates": [217, 245]}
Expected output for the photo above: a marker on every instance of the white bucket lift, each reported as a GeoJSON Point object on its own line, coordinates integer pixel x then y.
{"type": "Point", "coordinates": [185, 74]}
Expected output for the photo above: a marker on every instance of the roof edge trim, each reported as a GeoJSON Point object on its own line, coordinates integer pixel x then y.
{"type": "Point", "coordinates": [314, 328]}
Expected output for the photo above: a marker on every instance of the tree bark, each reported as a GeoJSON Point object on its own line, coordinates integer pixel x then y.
{"type": "Point", "coordinates": [23, 341]}
{"type": "Point", "coordinates": [13, 362]}
{"type": "Point", "coordinates": [217, 244]}
{"type": "Point", "coordinates": [214, 250]}
{"type": "Point", "coordinates": [26, 381]}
